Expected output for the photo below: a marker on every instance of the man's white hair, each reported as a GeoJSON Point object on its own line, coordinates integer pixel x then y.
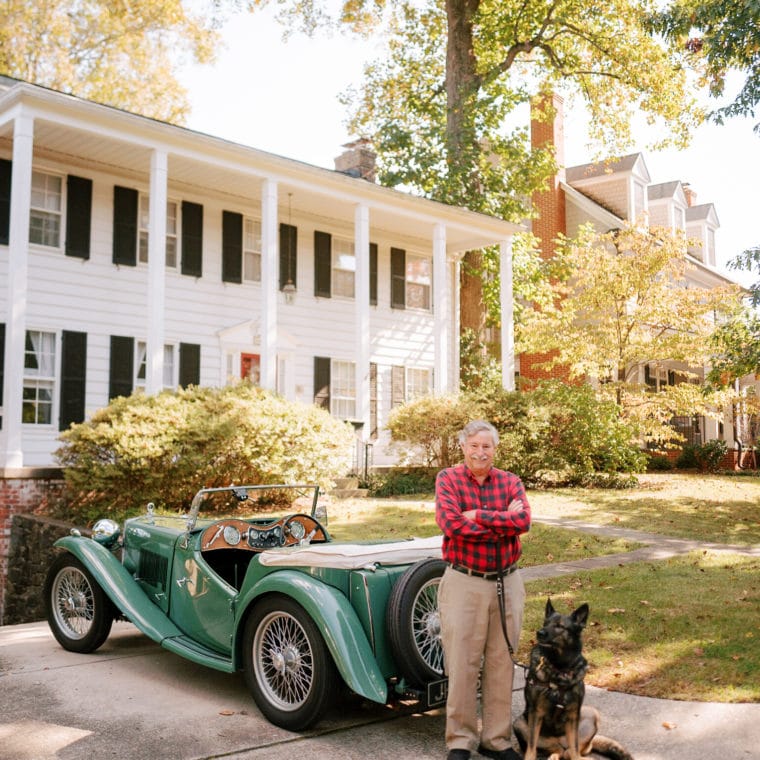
{"type": "Point", "coordinates": [478, 426]}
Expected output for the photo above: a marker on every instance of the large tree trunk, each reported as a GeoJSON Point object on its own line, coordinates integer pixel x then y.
{"type": "Point", "coordinates": [462, 85]}
{"type": "Point", "coordinates": [472, 313]}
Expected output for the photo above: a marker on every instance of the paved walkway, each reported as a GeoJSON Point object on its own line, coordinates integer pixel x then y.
{"type": "Point", "coordinates": [657, 547]}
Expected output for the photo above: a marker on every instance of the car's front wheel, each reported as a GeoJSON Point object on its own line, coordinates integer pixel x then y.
{"type": "Point", "coordinates": [288, 667]}
{"type": "Point", "coordinates": [79, 612]}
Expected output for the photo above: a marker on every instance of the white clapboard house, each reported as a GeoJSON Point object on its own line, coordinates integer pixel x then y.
{"type": "Point", "coordinates": [138, 254]}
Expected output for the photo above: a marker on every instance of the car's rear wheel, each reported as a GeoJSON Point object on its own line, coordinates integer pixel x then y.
{"type": "Point", "coordinates": [414, 624]}
{"type": "Point", "coordinates": [78, 611]}
{"type": "Point", "coordinates": [288, 667]}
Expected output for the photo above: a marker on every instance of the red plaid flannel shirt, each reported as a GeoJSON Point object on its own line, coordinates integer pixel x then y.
{"type": "Point", "coordinates": [492, 539]}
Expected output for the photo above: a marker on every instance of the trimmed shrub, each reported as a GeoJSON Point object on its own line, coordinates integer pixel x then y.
{"type": "Point", "coordinates": [710, 455]}
{"type": "Point", "coordinates": [554, 435]}
{"type": "Point", "coordinates": [399, 482]}
{"type": "Point", "coordinates": [687, 459]}
{"type": "Point", "coordinates": [659, 463]}
{"type": "Point", "coordinates": [426, 429]}
{"type": "Point", "coordinates": [164, 448]}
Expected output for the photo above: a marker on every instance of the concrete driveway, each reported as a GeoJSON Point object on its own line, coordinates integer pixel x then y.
{"type": "Point", "coordinates": [132, 700]}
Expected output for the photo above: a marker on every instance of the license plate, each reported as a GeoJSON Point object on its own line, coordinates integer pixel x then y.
{"type": "Point", "coordinates": [437, 691]}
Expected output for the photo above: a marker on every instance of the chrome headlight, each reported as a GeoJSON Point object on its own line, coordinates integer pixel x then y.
{"type": "Point", "coordinates": [106, 532]}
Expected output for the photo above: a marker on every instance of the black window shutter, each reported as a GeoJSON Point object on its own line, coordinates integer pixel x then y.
{"type": "Point", "coordinates": [5, 200]}
{"type": "Point", "coordinates": [322, 382]}
{"type": "Point", "coordinates": [192, 239]}
{"type": "Point", "coordinates": [73, 377]}
{"type": "Point", "coordinates": [121, 370]}
{"type": "Point", "coordinates": [373, 274]}
{"type": "Point", "coordinates": [373, 400]}
{"type": "Point", "coordinates": [2, 366]}
{"type": "Point", "coordinates": [78, 216]}
{"type": "Point", "coordinates": [322, 263]}
{"type": "Point", "coordinates": [398, 386]}
{"type": "Point", "coordinates": [189, 364]}
{"type": "Point", "coordinates": [232, 247]}
{"type": "Point", "coordinates": [124, 226]}
{"type": "Point", "coordinates": [398, 278]}
{"type": "Point", "coordinates": [288, 254]}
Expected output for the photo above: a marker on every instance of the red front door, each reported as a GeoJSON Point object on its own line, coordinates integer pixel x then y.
{"type": "Point", "coordinates": [250, 367]}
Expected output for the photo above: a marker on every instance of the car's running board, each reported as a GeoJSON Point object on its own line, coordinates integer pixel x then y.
{"type": "Point", "coordinates": [195, 652]}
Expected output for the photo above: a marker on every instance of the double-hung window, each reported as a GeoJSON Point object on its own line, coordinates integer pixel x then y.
{"type": "Point", "coordinates": [46, 209]}
{"type": "Point", "coordinates": [418, 281]}
{"type": "Point", "coordinates": [141, 364]}
{"type": "Point", "coordinates": [171, 231]}
{"type": "Point", "coordinates": [343, 390]}
{"type": "Point", "coordinates": [411, 280]}
{"type": "Point", "coordinates": [39, 377]}
{"type": "Point", "coordinates": [252, 250]}
{"type": "Point", "coordinates": [343, 267]}
{"type": "Point", "coordinates": [418, 383]}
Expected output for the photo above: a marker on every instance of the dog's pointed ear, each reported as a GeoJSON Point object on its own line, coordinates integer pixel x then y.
{"type": "Point", "coordinates": [549, 607]}
{"type": "Point", "coordinates": [580, 616]}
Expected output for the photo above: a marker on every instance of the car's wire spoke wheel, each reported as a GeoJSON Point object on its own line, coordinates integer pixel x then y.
{"type": "Point", "coordinates": [73, 602]}
{"type": "Point", "coordinates": [414, 623]}
{"type": "Point", "coordinates": [78, 611]}
{"type": "Point", "coordinates": [283, 660]}
{"type": "Point", "coordinates": [287, 665]}
{"type": "Point", "coordinates": [426, 625]}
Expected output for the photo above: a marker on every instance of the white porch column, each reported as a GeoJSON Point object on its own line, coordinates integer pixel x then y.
{"type": "Point", "coordinates": [361, 304]}
{"type": "Point", "coordinates": [156, 327]}
{"type": "Point", "coordinates": [268, 359]}
{"type": "Point", "coordinates": [441, 321]}
{"type": "Point", "coordinates": [507, 316]}
{"type": "Point", "coordinates": [11, 447]}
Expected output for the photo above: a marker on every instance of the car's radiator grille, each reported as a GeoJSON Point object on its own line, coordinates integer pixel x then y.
{"type": "Point", "coordinates": [152, 568]}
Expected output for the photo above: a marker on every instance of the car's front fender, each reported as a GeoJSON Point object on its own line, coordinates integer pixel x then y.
{"type": "Point", "coordinates": [336, 620]}
{"type": "Point", "coordinates": [120, 586]}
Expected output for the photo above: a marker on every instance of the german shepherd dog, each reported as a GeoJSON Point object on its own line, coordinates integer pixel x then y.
{"type": "Point", "coordinates": [555, 721]}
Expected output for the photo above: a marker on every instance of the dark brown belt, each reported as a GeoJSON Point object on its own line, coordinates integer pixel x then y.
{"type": "Point", "coordinates": [485, 576]}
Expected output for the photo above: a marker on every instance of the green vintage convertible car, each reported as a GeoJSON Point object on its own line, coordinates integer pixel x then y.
{"type": "Point", "coordinates": [264, 590]}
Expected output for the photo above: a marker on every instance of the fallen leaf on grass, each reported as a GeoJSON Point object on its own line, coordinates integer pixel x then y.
{"type": "Point", "coordinates": [616, 611]}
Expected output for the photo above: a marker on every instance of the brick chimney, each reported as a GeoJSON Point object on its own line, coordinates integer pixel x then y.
{"type": "Point", "coordinates": [691, 196]}
{"type": "Point", "coordinates": [358, 160]}
{"type": "Point", "coordinates": [547, 130]}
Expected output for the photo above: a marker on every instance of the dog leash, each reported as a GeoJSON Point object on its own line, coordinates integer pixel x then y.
{"type": "Point", "coordinates": [503, 617]}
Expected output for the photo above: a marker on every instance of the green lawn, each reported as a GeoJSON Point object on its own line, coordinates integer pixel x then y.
{"type": "Point", "coordinates": [682, 628]}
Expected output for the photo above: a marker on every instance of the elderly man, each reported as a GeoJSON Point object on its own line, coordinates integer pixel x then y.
{"type": "Point", "coordinates": [482, 511]}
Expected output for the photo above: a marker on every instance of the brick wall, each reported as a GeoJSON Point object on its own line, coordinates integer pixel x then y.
{"type": "Point", "coordinates": [24, 491]}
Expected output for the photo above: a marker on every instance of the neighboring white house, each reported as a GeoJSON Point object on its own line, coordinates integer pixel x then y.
{"type": "Point", "coordinates": [134, 253]}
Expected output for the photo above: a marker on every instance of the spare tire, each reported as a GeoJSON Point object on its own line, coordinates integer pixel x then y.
{"type": "Point", "coordinates": [413, 623]}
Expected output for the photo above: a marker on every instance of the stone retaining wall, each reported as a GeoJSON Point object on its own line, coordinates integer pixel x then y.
{"type": "Point", "coordinates": [30, 554]}
{"type": "Point", "coordinates": [26, 490]}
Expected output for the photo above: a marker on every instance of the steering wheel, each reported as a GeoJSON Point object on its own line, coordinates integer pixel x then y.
{"type": "Point", "coordinates": [302, 529]}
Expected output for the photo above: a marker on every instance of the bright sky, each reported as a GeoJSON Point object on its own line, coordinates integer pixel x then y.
{"type": "Point", "coordinates": [281, 97]}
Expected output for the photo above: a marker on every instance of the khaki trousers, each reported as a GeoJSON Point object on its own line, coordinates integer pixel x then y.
{"type": "Point", "coordinates": [470, 633]}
